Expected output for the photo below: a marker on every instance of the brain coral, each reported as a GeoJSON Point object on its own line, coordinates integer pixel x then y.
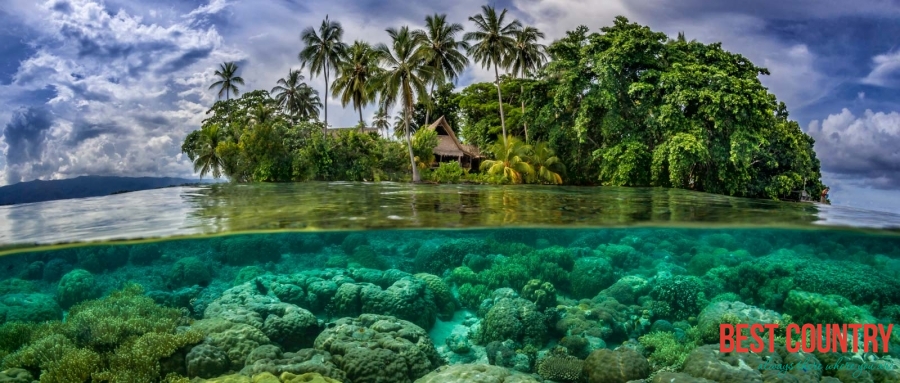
{"type": "Point", "coordinates": [475, 373]}
{"type": "Point", "coordinates": [379, 349]}
{"type": "Point", "coordinates": [76, 286]}
{"type": "Point", "coordinates": [621, 365]}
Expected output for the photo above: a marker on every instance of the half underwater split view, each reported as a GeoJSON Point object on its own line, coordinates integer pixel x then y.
{"type": "Point", "coordinates": [612, 286]}
{"type": "Point", "coordinates": [466, 191]}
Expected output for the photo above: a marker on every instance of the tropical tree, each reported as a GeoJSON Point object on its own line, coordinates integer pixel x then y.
{"type": "Point", "coordinates": [228, 79]}
{"type": "Point", "coordinates": [323, 51]}
{"type": "Point", "coordinates": [510, 161]}
{"type": "Point", "coordinates": [547, 166]}
{"type": "Point", "coordinates": [381, 121]}
{"type": "Point", "coordinates": [358, 65]}
{"type": "Point", "coordinates": [494, 40]}
{"type": "Point", "coordinates": [526, 57]}
{"type": "Point", "coordinates": [207, 160]}
{"type": "Point", "coordinates": [442, 51]}
{"type": "Point", "coordinates": [404, 80]}
{"type": "Point", "coordinates": [296, 98]}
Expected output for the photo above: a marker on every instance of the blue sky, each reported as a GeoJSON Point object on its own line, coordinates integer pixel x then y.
{"type": "Point", "coordinates": [112, 87]}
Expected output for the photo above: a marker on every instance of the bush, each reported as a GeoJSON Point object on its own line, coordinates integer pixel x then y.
{"type": "Point", "coordinates": [448, 172]}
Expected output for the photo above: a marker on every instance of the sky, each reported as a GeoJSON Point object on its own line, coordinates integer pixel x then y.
{"type": "Point", "coordinates": [112, 87]}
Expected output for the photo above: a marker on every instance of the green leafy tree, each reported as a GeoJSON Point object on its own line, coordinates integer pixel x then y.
{"type": "Point", "coordinates": [404, 79]}
{"type": "Point", "coordinates": [445, 102]}
{"type": "Point", "coordinates": [423, 144]}
{"type": "Point", "coordinates": [494, 40]}
{"type": "Point", "coordinates": [442, 51]}
{"type": "Point", "coordinates": [510, 161]}
{"type": "Point", "coordinates": [357, 67]}
{"type": "Point", "coordinates": [323, 51]}
{"type": "Point", "coordinates": [296, 98]}
{"type": "Point", "coordinates": [525, 58]}
{"type": "Point", "coordinates": [228, 80]}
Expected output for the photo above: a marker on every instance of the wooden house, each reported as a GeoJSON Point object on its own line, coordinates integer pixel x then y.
{"type": "Point", "coordinates": [450, 149]}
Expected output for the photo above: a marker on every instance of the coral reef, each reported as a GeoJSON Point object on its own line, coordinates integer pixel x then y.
{"type": "Point", "coordinates": [475, 373]}
{"type": "Point", "coordinates": [379, 349]}
{"type": "Point", "coordinates": [615, 366]}
{"type": "Point", "coordinates": [76, 286]}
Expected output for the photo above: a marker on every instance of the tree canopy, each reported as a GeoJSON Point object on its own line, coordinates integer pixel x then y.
{"type": "Point", "coordinates": [622, 106]}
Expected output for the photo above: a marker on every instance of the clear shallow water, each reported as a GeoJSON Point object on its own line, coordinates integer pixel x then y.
{"type": "Point", "coordinates": [337, 290]}
{"type": "Point", "coordinates": [349, 206]}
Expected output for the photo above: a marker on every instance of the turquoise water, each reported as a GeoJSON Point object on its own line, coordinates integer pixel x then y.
{"type": "Point", "coordinates": [393, 283]}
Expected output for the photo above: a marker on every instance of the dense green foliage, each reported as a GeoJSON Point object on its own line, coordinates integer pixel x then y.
{"type": "Point", "coordinates": [630, 107]}
{"type": "Point", "coordinates": [625, 106]}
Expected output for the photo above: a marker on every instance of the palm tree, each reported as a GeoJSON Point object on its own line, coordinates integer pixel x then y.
{"type": "Point", "coordinates": [442, 51]}
{"type": "Point", "coordinates": [526, 57]}
{"type": "Point", "coordinates": [308, 103]}
{"type": "Point", "coordinates": [381, 121]}
{"type": "Point", "coordinates": [207, 159]}
{"type": "Point", "coordinates": [323, 51]}
{"type": "Point", "coordinates": [228, 79]}
{"type": "Point", "coordinates": [494, 41]}
{"type": "Point", "coordinates": [510, 161]}
{"type": "Point", "coordinates": [400, 122]}
{"type": "Point", "coordinates": [296, 98]}
{"type": "Point", "coordinates": [358, 66]}
{"type": "Point", "coordinates": [547, 166]}
{"type": "Point", "coordinates": [404, 80]}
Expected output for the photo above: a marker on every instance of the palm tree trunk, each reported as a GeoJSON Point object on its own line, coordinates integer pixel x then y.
{"type": "Point", "coordinates": [428, 109]}
{"type": "Point", "coordinates": [524, 120]}
{"type": "Point", "coordinates": [500, 99]}
{"type": "Point", "coordinates": [326, 99]}
{"type": "Point", "coordinates": [361, 124]}
{"type": "Point", "coordinates": [412, 159]}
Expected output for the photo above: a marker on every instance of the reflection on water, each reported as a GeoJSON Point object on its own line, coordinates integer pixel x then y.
{"type": "Point", "coordinates": [315, 206]}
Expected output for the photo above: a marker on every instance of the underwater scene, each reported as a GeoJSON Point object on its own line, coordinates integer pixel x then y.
{"type": "Point", "coordinates": [603, 305]}
{"type": "Point", "coordinates": [430, 304]}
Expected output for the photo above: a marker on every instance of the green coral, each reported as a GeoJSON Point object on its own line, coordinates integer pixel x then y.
{"type": "Point", "coordinates": [684, 295]}
{"type": "Point", "coordinates": [189, 271]}
{"type": "Point", "coordinates": [76, 286]}
{"type": "Point", "coordinates": [247, 273]}
{"type": "Point", "coordinates": [666, 350]}
{"type": "Point", "coordinates": [471, 295]}
{"type": "Point", "coordinates": [443, 297]}
{"type": "Point", "coordinates": [119, 338]}
{"type": "Point", "coordinates": [805, 307]}
{"type": "Point", "coordinates": [542, 294]}
{"type": "Point", "coordinates": [17, 286]}
{"type": "Point", "coordinates": [621, 256]}
{"type": "Point", "coordinates": [138, 360]}
{"type": "Point", "coordinates": [365, 257]}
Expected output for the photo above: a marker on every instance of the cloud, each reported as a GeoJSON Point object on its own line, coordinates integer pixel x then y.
{"type": "Point", "coordinates": [886, 72]}
{"type": "Point", "coordinates": [122, 91]}
{"type": "Point", "coordinates": [25, 135]}
{"type": "Point", "coordinates": [865, 148]}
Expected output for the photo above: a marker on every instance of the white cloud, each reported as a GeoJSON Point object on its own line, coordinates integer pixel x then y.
{"type": "Point", "coordinates": [126, 89]}
{"type": "Point", "coordinates": [886, 70]}
{"type": "Point", "coordinates": [864, 147]}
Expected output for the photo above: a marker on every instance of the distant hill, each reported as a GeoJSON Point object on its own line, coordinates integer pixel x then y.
{"type": "Point", "coordinates": [84, 186]}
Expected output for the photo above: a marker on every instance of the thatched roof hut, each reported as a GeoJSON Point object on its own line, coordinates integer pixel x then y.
{"type": "Point", "coordinates": [450, 149]}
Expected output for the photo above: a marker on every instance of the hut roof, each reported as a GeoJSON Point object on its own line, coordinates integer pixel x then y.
{"type": "Point", "coordinates": [448, 143]}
